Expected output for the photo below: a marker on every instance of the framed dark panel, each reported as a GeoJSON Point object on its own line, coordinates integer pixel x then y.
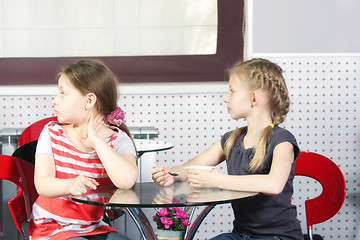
{"type": "Point", "coordinates": [141, 69]}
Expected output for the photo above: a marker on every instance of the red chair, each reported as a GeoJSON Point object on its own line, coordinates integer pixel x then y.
{"type": "Point", "coordinates": [329, 175]}
{"type": "Point", "coordinates": [21, 173]}
{"type": "Point", "coordinates": [26, 152]}
{"type": "Point", "coordinates": [33, 131]}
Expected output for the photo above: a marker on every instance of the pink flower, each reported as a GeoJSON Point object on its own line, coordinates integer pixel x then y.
{"type": "Point", "coordinates": [171, 218]}
{"type": "Point", "coordinates": [167, 221]}
{"type": "Point", "coordinates": [181, 214]}
{"type": "Point", "coordinates": [185, 222]}
{"type": "Point", "coordinates": [175, 208]}
{"type": "Point", "coordinates": [163, 212]}
{"type": "Point", "coordinates": [116, 117]}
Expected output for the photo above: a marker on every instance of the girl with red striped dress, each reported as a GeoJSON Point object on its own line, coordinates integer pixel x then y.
{"type": "Point", "coordinates": [89, 146]}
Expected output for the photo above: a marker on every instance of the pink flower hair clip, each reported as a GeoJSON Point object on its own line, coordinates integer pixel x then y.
{"type": "Point", "coordinates": [116, 117]}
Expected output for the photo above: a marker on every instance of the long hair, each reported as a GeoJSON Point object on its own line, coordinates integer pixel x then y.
{"type": "Point", "coordinates": [92, 76]}
{"type": "Point", "coordinates": [267, 76]}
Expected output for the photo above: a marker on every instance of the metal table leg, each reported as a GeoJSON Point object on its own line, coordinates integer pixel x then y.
{"type": "Point", "coordinates": [194, 227]}
{"type": "Point", "coordinates": [142, 223]}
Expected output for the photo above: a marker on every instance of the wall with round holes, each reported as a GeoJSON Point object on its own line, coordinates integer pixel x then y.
{"type": "Point", "coordinates": [324, 117]}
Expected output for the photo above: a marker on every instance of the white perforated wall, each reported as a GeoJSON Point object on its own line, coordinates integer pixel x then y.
{"type": "Point", "coordinates": [323, 117]}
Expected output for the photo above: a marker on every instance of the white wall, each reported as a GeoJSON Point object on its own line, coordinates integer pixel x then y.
{"type": "Point", "coordinates": [306, 26]}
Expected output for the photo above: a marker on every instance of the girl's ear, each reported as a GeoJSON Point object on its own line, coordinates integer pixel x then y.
{"type": "Point", "coordinates": [90, 100]}
{"type": "Point", "coordinates": [253, 99]}
{"type": "Point", "coordinates": [259, 98]}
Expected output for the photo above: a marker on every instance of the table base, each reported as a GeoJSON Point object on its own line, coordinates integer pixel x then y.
{"type": "Point", "coordinates": [147, 231]}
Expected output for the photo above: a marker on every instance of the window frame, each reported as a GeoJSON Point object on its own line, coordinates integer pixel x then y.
{"type": "Point", "coordinates": [145, 69]}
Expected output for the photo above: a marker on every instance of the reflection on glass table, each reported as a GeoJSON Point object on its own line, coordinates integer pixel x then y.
{"type": "Point", "coordinates": [150, 195]}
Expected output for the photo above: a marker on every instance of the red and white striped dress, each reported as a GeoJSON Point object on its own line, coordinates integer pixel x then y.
{"type": "Point", "coordinates": [62, 218]}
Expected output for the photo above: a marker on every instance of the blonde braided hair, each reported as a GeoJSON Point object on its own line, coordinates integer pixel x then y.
{"type": "Point", "coordinates": [267, 76]}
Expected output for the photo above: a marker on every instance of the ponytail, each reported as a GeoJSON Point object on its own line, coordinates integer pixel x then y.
{"type": "Point", "coordinates": [231, 140]}
{"type": "Point", "coordinates": [260, 148]}
{"type": "Point", "coordinates": [125, 128]}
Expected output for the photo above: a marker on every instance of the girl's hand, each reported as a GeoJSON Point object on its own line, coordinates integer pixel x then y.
{"type": "Point", "coordinates": [93, 127]}
{"type": "Point", "coordinates": [81, 185]}
{"type": "Point", "coordinates": [203, 178]}
{"type": "Point", "coordinates": [161, 176]}
{"type": "Point", "coordinates": [164, 195]}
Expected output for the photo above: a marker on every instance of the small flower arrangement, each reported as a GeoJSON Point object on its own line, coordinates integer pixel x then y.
{"type": "Point", "coordinates": [172, 218]}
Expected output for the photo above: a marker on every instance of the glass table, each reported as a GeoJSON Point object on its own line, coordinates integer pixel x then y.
{"type": "Point", "coordinates": [145, 146]}
{"type": "Point", "coordinates": [150, 195]}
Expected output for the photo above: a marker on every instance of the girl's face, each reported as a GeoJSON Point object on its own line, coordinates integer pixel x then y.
{"type": "Point", "coordinates": [69, 104]}
{"type": "Point", "coordinates": [239, 98]}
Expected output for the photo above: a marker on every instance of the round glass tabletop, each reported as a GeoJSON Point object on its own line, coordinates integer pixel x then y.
{"type": "Point", "coordinates": [150, 195]}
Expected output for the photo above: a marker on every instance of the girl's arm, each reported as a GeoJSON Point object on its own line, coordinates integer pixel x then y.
{"type": "Point", "coordinates": [211, 157]}
{"type": "Point", "coordinates": [121, 168]}
{"type": "Point", "coordinates": [272, 183]}
{"type": "Point", "coordinates": [47, 185]}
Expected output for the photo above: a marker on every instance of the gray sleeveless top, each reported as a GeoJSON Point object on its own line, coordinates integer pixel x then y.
{"type": "Point", "coordinates": [266, 215]}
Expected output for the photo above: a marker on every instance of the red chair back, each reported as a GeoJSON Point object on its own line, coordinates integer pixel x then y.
{"type": "Point", "coordinates": [329, 175]}
{"type": "Point", "coordinates": [21, 173]}
{"type": "Point", "coordinates": [33, 131]}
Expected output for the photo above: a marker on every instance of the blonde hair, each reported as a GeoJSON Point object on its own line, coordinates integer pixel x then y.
{"type": "Point", "coordinates": [267, 76]}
